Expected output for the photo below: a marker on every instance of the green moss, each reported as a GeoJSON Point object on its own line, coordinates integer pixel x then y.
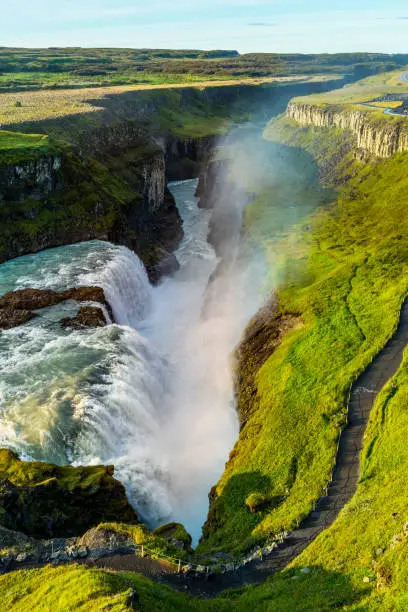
{"type": "Point", "coordinates": [174, 532]}
{"type": "Point", "coordinates": [157, 543]}
{"type": "Point", "coordinates": [44, 500]}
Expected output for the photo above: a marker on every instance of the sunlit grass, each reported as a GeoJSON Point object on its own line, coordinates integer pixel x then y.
{"type": "Point", "coordinates": [344, 271]}
{"type": "Point", "coordinates": [56, 103]}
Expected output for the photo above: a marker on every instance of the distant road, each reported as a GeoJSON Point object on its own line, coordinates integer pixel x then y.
{"type": "Point", "coordinates": [404, 77]}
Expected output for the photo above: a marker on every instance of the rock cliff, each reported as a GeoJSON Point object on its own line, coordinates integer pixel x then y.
{"type": "Point", "coordinates": [45, 500]}
{"type": "Point", "coordinates": [380, 135]}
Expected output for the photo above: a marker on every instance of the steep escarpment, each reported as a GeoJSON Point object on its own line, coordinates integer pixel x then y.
{"type": "Point", "coordinates": [380, 135]}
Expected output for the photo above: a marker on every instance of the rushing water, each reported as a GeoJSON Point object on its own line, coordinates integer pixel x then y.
{"type": "Point", "coordinates": [151, 394]}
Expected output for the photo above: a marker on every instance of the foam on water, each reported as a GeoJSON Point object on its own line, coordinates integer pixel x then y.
{"type": "Point", "coordinates": [151, 394]}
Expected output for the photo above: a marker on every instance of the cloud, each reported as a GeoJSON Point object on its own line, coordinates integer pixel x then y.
{"type": "Point", "coordinates": [262, 24]}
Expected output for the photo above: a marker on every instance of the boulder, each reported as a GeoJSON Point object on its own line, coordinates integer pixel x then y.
{"type": "Point", "coordinates": [88, 316]}
{"type": "Point", "coordinates": [10, 318]}
{"type": "Point", "coordinates": [176, 535]}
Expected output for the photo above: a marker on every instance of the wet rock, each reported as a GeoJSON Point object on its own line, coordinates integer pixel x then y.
{"type": "Point", "coordinates": [167, 264]}
{"type": "Point", "coordinates": [34, 299]}
{"type": "Point", "coordinates": [16, 307]}
{"type": "Point", "coordinates": [10, 318]}
{"type": "Point", "coordinates": [88, 316]}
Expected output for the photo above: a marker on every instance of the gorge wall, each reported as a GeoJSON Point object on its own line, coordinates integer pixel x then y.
{"type": "Point", "coordinates": [378, 134]}
{"type": "Point", "coordinates": [106, 173]}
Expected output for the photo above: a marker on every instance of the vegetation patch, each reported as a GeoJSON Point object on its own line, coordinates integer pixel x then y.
{"type": "Point", "coordinates": [15, 146]}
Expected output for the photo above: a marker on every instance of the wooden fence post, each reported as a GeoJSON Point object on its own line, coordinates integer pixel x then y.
{"type": "Point", "coordinates": [179, 567]}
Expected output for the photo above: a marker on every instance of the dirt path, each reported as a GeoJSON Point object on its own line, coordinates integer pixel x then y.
{"type": "Point", "coordinates": [345, 478]}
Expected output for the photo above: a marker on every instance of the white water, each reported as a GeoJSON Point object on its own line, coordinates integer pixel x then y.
{"type": "Point", "coordinates": [152, 395]}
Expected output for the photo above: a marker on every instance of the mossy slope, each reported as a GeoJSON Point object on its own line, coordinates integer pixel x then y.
{"type": "Point", "coordinates": [45, 500]}
{"type": "Point", "coordinates": [344, 272]}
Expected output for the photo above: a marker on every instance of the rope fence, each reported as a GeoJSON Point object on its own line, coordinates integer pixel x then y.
{"type": "Point", "coordinates": [143, 551]}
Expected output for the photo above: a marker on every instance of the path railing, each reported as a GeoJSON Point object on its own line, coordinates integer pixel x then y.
{"type": "Point", "coordinates": [143, 551]}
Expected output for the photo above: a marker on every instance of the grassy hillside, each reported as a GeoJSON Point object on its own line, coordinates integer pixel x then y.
{"type": "Point", "coordinates": [342, 273]}
{"type": "Point", "coordinates": [15, 146]}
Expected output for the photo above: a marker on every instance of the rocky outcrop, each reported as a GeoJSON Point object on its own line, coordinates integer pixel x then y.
{"type": "Point", "coordinates": [176, 535]}
{"type": "Point", "coordinates": [381, 136]}
{"type": "Point", "coordinates": [185, 157]}
{"type": "Point", "coordinates": [44, 500]}
{"type": "Point", "coordinates": [118, 194]}
{"type": "Point", "coordinates": [211, 182]}
{"type": "Point", "coordinates": [10, 317]}
{"type": "Point", "coordinates": [88, 316]}
{"type": "Point", "coordinates": [17, 307]}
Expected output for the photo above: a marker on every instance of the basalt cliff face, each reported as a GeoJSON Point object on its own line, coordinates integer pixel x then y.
{"type": "Point", "coordinates": [118, 194]}
{"type": "Point", "coordinates": [379, 135]}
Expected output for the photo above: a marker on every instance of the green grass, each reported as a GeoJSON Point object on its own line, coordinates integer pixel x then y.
{"type": "Point", "coordinates": [77, 588]}
{"type": "Point", "coordinates": [157, 543]}
{"type": "Point", "coordinates": [362, 91]}
{"type": "Point", "coordinates": [35, 69]}
{"type": "Point", "coordinates": [344, 272]}
{"type": "Point", "coordinates": [15, 146]}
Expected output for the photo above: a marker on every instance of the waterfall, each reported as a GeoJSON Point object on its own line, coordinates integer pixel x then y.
{"type": "Point", "coordinates": [126, 285]}
{"type": "Point", "coordinates": [152, 393]}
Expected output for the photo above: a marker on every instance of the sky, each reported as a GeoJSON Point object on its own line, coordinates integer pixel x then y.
{"type": "Point", "coordinates": [302, 26]}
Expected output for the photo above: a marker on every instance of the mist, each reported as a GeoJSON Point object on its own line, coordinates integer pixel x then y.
{"type": "Point", "coordinates": [198, 316]}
